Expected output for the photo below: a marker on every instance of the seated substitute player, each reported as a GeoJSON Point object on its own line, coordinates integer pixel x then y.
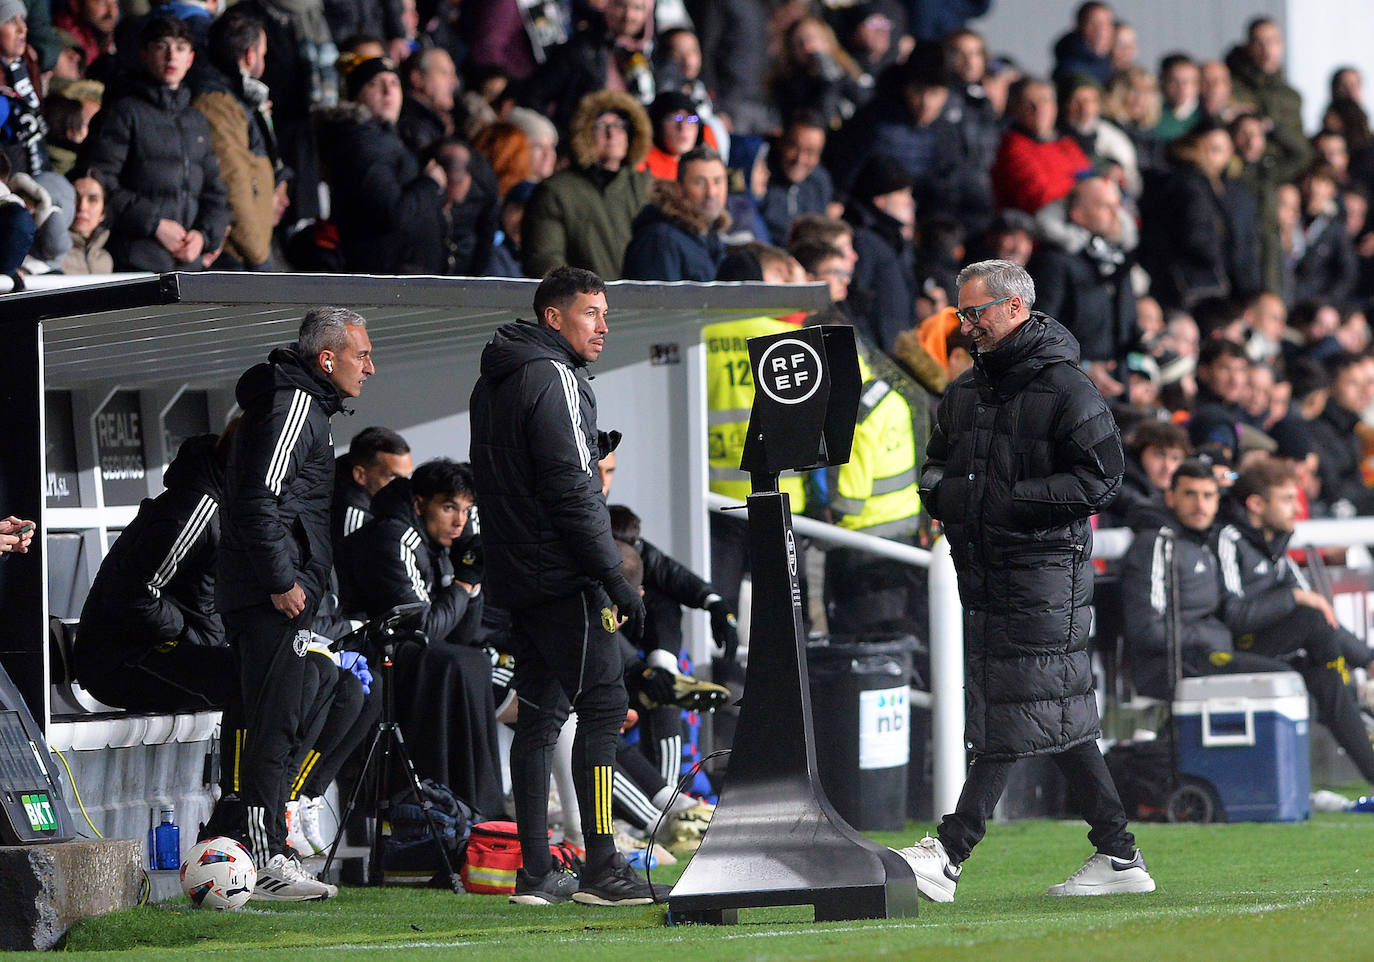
{"type": "Point", "coordinates": [443, 696]}
{"type": "Point", "coordinates": [375, 457]}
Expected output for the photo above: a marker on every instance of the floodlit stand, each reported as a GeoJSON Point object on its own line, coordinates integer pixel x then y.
{"type": "Point", "coordinates": [774, 838]}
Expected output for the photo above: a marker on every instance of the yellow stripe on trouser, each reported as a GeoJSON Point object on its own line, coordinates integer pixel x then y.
{"type": "Point", "coordinates": [601, 784]}
{"type": "Point", "coordinates": [308, 764]}
{"type": "Point", "coordinates": [240, 736]}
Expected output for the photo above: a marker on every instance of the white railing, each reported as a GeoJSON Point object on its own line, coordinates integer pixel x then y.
{"type": "Point", "coordinates": [947, 627]}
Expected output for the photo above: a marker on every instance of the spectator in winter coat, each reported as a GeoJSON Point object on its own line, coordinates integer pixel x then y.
{"type": "Point", "coordinates": [1343, 490]}
{"type": "Point", "coordinates": [583, 216]}
{"type": "Point", "coordinates": [677, 129]}
{"type": "Point", "coordinates": [168, 211]}
{"type": "Point", "coordinates": [431, 88]}
{"type": "Point", "coordinates": [92, 24]}
{"type": "Point", "coordinates": [90, 231]}
{"type": "Point", "coordinates": [677, 236]}
{"type": "Point", "coordinates": [1326, 267]}
{"type": "Point", "coordinates": [1035, 165]}
{"type": "Point", "coordinates": [1087, 49]}
{"type": "Point", "coordinates": [1257, 78]}
{"type": "Point", "coordinates": [1103, 142]}
{"type": "Point", "coordinates": [882, 214]}
{"type": "Point", "coordinates": [1154, 450]}
{"type": "Point", "coordinates": [797, 183]}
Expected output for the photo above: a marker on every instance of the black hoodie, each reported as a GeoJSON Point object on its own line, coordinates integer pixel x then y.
{"type": "Point", "coordinates": [1256, 578]}
{"type": "Point", "coordinates": [546, 532]}
{"type": "Point", "coordinates": [278, 486]}
{"type": "Point", "coordinates": [1023, 452]}
{"type": "Point", "coordinates": [392, 561]}
{"type": "Point", "coordinates": [156, 587]}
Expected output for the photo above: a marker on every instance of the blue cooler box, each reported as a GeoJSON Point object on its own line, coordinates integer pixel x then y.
{"type": "Point", "coordinates": [1247, 735]}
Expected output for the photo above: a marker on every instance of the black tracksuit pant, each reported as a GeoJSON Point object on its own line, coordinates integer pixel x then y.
{"type": "Point", "coordinates": [566, 652]}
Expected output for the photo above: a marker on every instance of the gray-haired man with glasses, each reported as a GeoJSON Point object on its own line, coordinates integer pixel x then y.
{"type": "Point", "coordinates": [1023, 452]}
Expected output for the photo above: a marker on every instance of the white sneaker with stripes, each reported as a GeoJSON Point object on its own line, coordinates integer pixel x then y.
{"type": "Point", "coordinates": [283, 879]}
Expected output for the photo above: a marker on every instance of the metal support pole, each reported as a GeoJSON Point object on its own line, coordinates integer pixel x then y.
{"type": "Point", "coordinates": [946, 679]}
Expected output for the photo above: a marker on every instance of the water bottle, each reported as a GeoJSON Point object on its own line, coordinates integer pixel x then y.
{"type": "Point", "coordinates": [168, 841]}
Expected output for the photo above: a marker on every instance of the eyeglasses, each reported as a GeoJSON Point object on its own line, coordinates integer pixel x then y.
{"type": "Point", "coordinates": [970, 315]}
{"type": "Point", "coordinates": [606, 126]}
{"type": "Point", "coordinates": [683, 118]}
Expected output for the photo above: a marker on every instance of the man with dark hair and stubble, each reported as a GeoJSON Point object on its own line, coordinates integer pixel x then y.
{"type": "Point", "coordinates": [376, 456]}
{"type": "Point", "coordinates": [1023, 452]}
{"type": "Point", "coordinates": [275, 559]}
{"type": "Point", "coordinates": [552, 562]}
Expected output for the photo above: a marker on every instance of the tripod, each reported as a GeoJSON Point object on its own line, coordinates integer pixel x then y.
{"type": "Point", "coordinates": [388, 738]}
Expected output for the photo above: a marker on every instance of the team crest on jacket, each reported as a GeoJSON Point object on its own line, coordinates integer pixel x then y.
{"type": "Point", "coordinates": [608, 620]}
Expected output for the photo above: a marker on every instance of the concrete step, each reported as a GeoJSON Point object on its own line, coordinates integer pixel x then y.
{"type": "Point", "coordinates": [49, 888]}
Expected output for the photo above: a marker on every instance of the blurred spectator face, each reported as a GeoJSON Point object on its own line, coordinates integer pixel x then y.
{"type": "Point", "coordinates": [1036, 111]}
{"type": "Point", "coordinates": [1083, 109]}
{"type": "Point", "coordinates": [1332, 148]}
{"type": "Point", "coordinates": [410, 18]}
{"type": "Point", "coordinates": [1181, 84]}
{"type": "Point", "coordinates": [678, 133]}
{"type": "Point", "coordinates": [1350, 388]}
{"type": "Point", "coordinates": [926, 103]}
{"type": "Point", "coordinates": [1227, 377]}
{"type": "Point", "coordinates": [610, 133]}
{"type": "Point", "coordinates": [1216, 86]}
{"type": "Point", "coordinates": [1278, 507]}
{"type": "Point", "coordinates": [1181, 336]}
{"type": "Point", "coordinates": [1259, 391]}
{"type": "Point", "coordinates": [1194, 502]}
{"type": "Point", "coordinates": [1160, 463]}
{"type": "Point", "coordinates": [967, 58]}
{"type": "Point", "coordinates": [90, 206]}
{"type": "Point", "coordinates": [382, 97]}
{"type": "Point", "coordinates": [685, 50]}
{"type": "Point", "coordinates": [1266, 47]}
{"type": "Point", "coordinates": [1125, 47]}
{"type": "Point", "coordinates": [1347, 83]}
{"type": "Point", "coordinates": [1367, 380]}
{"type": "Point", "coordinates": [873, 36]}
{"type": "Point", "coordinates": [1353, 334]}
{"type": "Point", "coordinates": [1097, 207]}
{"type": "Point", "coordinates": [168, 59]}
{"type": "Point", "coordinates": [436, 83]}
{"type": "Point", "coordinates": [704, 186]}
{"type": "Point", "coordinates": [844, 243]}
{"type": "Point", "coordinates": [543, 157]}
{"type": "Point", "coordinates": [1279, 399]}
{"type": "Point", "coordinates": [1013, 245]}
{"type": "Point", "coordinates": [255, 59]}
{"type": "Point", "coordinates": [512, 220]}
{"type": "Point", "coordinates": [900, 205]}
{"type": "Point", "coordinates": [1142, 98]}
{"type": "Point", "coordinates": [1149, 317]}
{"type": "Point", "coordinates": [14, 37]}
{"type": "Point", "coordinates": [1098, 28]}
{"type": "Point", "coordinates": [627, 18]}
{"type": "Point", "coordinates": [799, 154]}
{"type": "Point", "coordinates": [1250, 139]}
{"type": "Point", "coordinates": [998, 88]}
{"type": "Point", "coordinates": [1288, 205]}
{"type": "Point", "coordinates": [1141, 392]}
{"type": "Point", "coordinates": [1214, 151]}
{"type": "Point", "coordinates": [835, 274]}
{"type": "Point", "coordinates": [1318, 194]}
{"type": "Point", "coordinates": [809, 40]}
{"type": "Point", "coordinates": [456, 160]}
{"type": "Point", "coordinates": [758, 177]}
{"type": "Point", "coordinates": [605, 469]}
{"type": "Point", "coordinates": [100, 15]}
{"type": "Point", "coordinates": [1268, 316]}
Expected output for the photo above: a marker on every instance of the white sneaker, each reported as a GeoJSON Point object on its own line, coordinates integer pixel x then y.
{"type": "Point", "coordinates": [1107, 875]}
{"type": "Point", "coordinates": [310, 825]}
{"type": "Point", "coordinates": [936, 877]}
{"type": "Point", "coordinates": [1328, 801]}
{"type": "Point", "coordinates": [283, 880]}
{"type": "Point", "coordinates": [294, 836]}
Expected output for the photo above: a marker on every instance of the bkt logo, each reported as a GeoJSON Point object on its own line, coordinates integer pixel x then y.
{"type": "Point", "coordinates": [790, 371]}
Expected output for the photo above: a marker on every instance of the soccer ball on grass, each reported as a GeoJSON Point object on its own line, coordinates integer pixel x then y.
{"type": "Point", "coordinates": [218, 874]}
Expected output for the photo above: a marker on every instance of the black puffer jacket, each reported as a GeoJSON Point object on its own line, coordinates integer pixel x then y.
{"type": "Point", "coordinates": [391, 561]}
{"type": "Point", "coordinates": [546, 532]}
{"type": "Point", "coordinates": [1156, 560]}
{"type": "Point", "coordinates": [156, 148]}
{"type": "Point", "coordinates": [278, 485]}
{"type": "Point", "coordinates": [156, 587]}
{"type": "Point", "coordinates": [1257, 579]}
{"type": "Point", "coordinates": [1023, 451]}
{"type": "Point", "coordinates": [387, 210]}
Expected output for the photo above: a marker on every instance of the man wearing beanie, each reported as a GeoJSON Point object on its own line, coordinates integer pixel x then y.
{"type": "Point", "coordinates": [168, 210]}
{"type": "Point", "coordinates": [883, 214]}
{"type": "Point", "coordinates": [387, 206]}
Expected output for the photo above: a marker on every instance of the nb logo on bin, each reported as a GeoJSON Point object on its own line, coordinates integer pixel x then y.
{"type": "Point", "coordinates": [790, 371]}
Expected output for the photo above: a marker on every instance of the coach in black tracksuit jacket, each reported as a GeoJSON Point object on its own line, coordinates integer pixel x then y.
{"type": "Point", "coordinates": [550, 558]}
{"type": "Point", "coordinates": [275, 554]}
{"type": "Point", "coordinates": [444, 700]}
{"type": "Point", "coordinates": [150, 639]}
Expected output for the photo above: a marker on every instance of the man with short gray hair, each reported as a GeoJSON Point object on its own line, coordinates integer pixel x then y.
{"type": "Point", "coordinates": [274, 564]}
{"type": "Point", "coordinates": [1023, 452]}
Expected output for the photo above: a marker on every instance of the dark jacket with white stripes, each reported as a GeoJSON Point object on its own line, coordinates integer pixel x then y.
{"type": "Point", "coordinates": [352, 507]}
{"type": "Point", "coordinates": [1256, 575]}
{"type": "Point", "coordinates": [391, 561]}
{"type": "Point", "coordinates": [156, 586]}
{"type": "Point", "coordinates": [1022, 453]}
{"type": "Point", "coordinates": [546, 532]}
{"type": "Point", "coordinates": [1156, 560]}
{"type": "Point", "coordinates": [278, 486]}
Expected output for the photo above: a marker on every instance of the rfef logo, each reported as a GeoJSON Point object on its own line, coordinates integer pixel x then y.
{"type": "Point", "coordinates": [790, 371]}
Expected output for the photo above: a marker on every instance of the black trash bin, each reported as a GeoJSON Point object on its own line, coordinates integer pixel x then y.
{"type": "Point", "coordinates": [859, 706]}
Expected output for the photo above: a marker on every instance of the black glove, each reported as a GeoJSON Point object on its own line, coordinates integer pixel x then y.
{"type": "Point", "coordinates": [629, 605]}
{"type": "Point", "coordinates": [658, 684]}
{"type": "Point", "coordinates": [724, 628]}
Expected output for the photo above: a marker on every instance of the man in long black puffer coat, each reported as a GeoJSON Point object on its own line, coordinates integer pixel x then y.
{"type": "Point", "coordinates": [1023, 452]}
